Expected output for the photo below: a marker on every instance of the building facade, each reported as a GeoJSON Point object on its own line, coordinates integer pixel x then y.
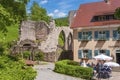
{"type": "Point", "coordinates": [95, 30]}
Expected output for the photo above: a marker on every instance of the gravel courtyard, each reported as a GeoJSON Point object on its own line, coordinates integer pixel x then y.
{"type": "Point", "coordinates": [45, 72]}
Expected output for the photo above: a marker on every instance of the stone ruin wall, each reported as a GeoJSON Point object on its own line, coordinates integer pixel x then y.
{"type": "Point", "coordinates": [32, 30]}
{"type": "Point", "coordinates": [41, 36]}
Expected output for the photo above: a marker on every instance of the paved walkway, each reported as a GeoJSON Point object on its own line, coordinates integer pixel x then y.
{"type": "Point", "coordinates": [45, 72]}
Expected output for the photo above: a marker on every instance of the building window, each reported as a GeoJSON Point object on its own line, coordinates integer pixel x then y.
{"type": "Point", "coordinates": [102, 51]}
{"type": "Point", "coordinates": [103, 18]}
{"type": "Point", "coordinates": [101, 35]}
{"type": "Point", "coordinates": [83, 36]}
{"type": "Point", "coordinates": [85, 54]}
{"type": "Point", "coordinates": [98, 52]}
{"type": "Point", "coordinates": [116, 35]}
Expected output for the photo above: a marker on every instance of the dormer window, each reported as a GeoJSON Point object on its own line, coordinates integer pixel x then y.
{"type": "Point", "coordinates": [107, 1]}
{"type": "Point", "coordinates": [103, 18]}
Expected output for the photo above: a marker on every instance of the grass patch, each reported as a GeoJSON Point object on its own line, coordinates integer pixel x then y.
{"type": "Point", "coordinates": [11, 35]}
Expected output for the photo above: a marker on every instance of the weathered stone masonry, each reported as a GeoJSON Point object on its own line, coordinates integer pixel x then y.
{"type": "Point", "coordinates": [35, 36]}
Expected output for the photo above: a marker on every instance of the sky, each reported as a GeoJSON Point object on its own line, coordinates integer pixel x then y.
{"type": "Point", "coordinates": [59, 8]}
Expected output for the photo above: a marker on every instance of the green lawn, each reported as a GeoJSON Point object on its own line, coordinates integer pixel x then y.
{"type": "Point", "coordinates": [12, 34]}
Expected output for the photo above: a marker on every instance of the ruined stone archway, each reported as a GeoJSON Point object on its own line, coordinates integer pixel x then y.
{"type": "Point", "coordinates": [61, 39]}
{"type": "Point", "coordinates": [44, 37]}
{"type": "Point", "coordinates": [25, 45]}
{"type": "Point", "coordinates": [69, 41]}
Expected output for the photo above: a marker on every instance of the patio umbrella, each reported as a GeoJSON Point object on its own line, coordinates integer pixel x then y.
{"type": "Point", "coordinates": [102, 57]}
{"type": "Point", "coordinates": [112, 64]}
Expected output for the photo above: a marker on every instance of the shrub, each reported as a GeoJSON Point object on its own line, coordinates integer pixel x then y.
{"type": "Point", "coordinates": [16, 57]}
{"type": "Point", "coordinates": [70, 68]}
{"type": "Point", "coordinates": [1, 48]}
{"type": "Point", "coordinates": [13, 70]}
{"type": "Point", "coordinates": [26, 54]}
{"type": "Point", "coordinates": [39, 56]}
{"type": "Point", "coordinates": [70, 62]}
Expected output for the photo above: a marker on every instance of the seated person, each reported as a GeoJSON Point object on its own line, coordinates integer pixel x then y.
{"type": "Point", "coordinates": [106, 70]}
{"type": "Point", "coordinates": [94, 70]}
{"type": "Point", "coordinates": [88, 64]}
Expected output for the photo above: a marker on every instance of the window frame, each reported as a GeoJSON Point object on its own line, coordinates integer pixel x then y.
{"type": "Point", "coordinates": [83, 54]}
{"type": "Point", "coordinates": [102, 35]}
{"type": "Point", "coordinates": [85, 35]}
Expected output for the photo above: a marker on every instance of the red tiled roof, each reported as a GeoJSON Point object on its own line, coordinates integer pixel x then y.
{"type": "Point", "coordinates": [87, 11]}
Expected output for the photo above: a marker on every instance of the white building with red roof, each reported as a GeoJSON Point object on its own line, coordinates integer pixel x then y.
{"type": "Point", "coordinates": [95, 30]}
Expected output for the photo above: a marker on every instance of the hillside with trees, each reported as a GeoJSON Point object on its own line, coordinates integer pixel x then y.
{"type": "Point", "coordinates": [61, 21]}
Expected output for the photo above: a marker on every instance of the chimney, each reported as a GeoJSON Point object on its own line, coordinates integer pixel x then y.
{"type": "Point", "coordinates": [107, 1]}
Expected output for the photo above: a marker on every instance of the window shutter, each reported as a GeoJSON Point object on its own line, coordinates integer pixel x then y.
{"type": "Point", "coordinates": [90, 54]}
{"type": "Point", "coordinates": [114, 34]}
{"type": "Point", "coordinates": [79, 35]}
{"type": "Point", "coordinates": [79, 54]}
{"type": "Point", "coordinates": [96, 52]}
{"type": "Point", "coordinates": [107, 35]}
{"type": "Point", "coordinates": [96, 35]}
{"type": "Point", "coordinates": [107, 52]}
{"type": "Point", "coordinates": [90, 35]}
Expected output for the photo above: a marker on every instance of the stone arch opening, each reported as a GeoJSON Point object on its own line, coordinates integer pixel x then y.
{"type": "Point", "coordinates": [26, 44]}
{"type": "Point", "coordinates": [69, 41]}
{"type": "Point", "coordinates": [27, 47]}
{"type": "Point", "coordinates": [61, 40]}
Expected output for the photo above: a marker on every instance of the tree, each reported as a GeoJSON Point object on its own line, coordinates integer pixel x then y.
{"type": "Point", "coordinates": [61, 39]}
{"type": "Point", "coordinates": [62, 21]}
{"type": "Point", "coordinates": [38, 13]}
{"type": "Point", "coordinates": [117, 16]}
{"type": "Point", "coordinates": [12, 11]}
{"type": "Point", "coordinates": [5, 19]}
{"type": "Point", "coordinates": [117, 13]}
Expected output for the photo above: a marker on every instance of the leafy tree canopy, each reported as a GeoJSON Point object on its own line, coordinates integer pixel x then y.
{"type": "Point", "coordinates": [16, 8]}
{"type": "Point", "coordinates": [117, 13]}
{"type": "Point", "coordinates": [117, 16]}
{"type": "Point", "coordinates": [11, 11]}
{"type": "Point", "coordinates": [5, 19]}
{"type": "Point", "coordinates": [38, 13]}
